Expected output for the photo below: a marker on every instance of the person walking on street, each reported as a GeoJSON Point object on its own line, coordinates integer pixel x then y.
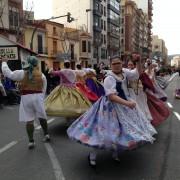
{"type": "Point", "coordinates": [33, 87]}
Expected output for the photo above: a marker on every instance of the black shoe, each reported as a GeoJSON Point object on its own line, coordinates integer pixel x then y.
{"type": "Point", "coordinates": [46, 138]}
{"type": "Point", "coordinates": [31, 145]}
{"type": "Point", "coordinates": [92, 162]}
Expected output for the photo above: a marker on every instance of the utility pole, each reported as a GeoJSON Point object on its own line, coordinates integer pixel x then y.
{"type": "Point", "coordinates": [69, 20]}
{"type": "Point", "coordinates": [87, 10]}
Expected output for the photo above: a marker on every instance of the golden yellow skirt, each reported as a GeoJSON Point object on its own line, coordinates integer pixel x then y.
{"type": "Point", "coordinates": [66, 102]}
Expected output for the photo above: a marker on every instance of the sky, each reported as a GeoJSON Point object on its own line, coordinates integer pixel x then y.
{"type": "Point", "coordinates": [166, 22]}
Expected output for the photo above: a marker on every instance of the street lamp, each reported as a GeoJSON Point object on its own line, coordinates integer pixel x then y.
{"type": "Point", "coordinates": [69, 20]}
{"type": "Point", "coordinates": [87, 10]}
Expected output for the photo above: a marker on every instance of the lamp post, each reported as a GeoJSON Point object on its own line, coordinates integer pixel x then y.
{"type": "Point", "coordinates": [69, 19]}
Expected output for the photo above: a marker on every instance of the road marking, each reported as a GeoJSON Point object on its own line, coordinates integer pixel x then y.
{"type": "Point", "coordinates": [56, 166]}
{"type": "Point", "coordinates": [8, 146]}
{"type": "Point", "coordinates": [49, 121]}
{"type": "Point", "coordinates": [177, 115]}
{"type": "Point", "coordinates": [169, 104]}
{"type": "Point", "coordinates": [10, 108]}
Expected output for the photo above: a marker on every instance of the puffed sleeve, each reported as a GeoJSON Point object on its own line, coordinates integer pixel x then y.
{"type": "Point", "coordinates": [44, 83]}
{"type": "Point", "coordinates": [17, 75]}
{"type": "Point", "coordinates": [131, 74]}
{"type": "Point", "coordinates": [110, 85]}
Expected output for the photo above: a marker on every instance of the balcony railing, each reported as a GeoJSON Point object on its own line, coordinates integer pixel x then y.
{"type": "Point", "coordinates": [43, 50]}
{"type": "Point", "coordinates": [17, 1]}
{"type": "Point", "coordinates": [97, 12]}
{"type": "Point", "coordinates": [97, 28]}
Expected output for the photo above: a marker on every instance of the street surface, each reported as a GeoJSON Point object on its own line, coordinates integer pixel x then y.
{"type": "Point", "coordinates": [63, 159]}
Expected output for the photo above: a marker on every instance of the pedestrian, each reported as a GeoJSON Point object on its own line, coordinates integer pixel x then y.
{"type": "Point", "coordinates": [150, 71]}
{"type": "Point", "coordinates": [33, 87]}
{"type": "Point", "coordinates": [113, 122]}
{"type": "Point", "coordinates": [2, 92]}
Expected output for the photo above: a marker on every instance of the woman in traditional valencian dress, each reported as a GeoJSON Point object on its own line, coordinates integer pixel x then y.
{"type": "Point", "coordinates": [159, 111]}
{"type": "Point", "coordinates": [113, 122]}
{"type": "Point", "coordinates": [65, 100]}
{"type": "Point", "coordinates": [81, 85]}
{"type": "Point", "coordinates": [92, 83]}
{"type": "Point", "coordinates": [135, 89]}
{"type": "Point", "coordinates": [159, 93]}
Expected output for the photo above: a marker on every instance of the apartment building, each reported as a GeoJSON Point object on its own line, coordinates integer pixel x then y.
{"type": "Point", "coordinates": [100, 18]}
{"type": "Point", "coordinates": [113, 27]}
{"type": "Point", "coordinates": [159, 50]}
{"type": "Point", "coordinates": [134, 29]}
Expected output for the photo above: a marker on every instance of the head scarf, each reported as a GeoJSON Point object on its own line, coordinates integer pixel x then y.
{"type": "Point", "coordinates": [32, 62]}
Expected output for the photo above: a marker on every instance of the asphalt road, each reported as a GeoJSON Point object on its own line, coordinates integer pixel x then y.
{"type": "Point", "coordinates": [63, 159]}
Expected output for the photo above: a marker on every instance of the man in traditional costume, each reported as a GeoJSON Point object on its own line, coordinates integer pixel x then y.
{"type": "Point", "coordinates": [33, 87]}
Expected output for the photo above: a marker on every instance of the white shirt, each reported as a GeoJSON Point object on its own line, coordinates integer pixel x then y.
{"type": "Point", "coordinates": [110, 81]}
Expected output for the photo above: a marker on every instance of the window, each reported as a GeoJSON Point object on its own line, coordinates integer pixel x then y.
{"type": "Point", "coordinates": [104, 39]}
{"type": "Point", "coordinates": [96, 21]}
{"type": "Point", "coordinates": [72, 51]}
{"type": "Point", "coordinates": [113, 29]}
{"type": "Point", "coordinates": [54, 47]}
{"type": "Point", "coordinates": [103, 53]}
{"type": "Point", "coordinates": [54, 31]}
{"type": "Point", "coordinates": [105, 11]}
{"type": "Point", "coordinates": [122, 21]}
{"type": "Point", "coordinates": [101, 9]}
{"type": "Point", "coordinates": [89, 46]}
{"type": "Point", "coordinates": [95, 52]}
{"type": "Point", "coordinates": [101, 24]}
{"type": "Point", "coordinates": [104, 25]}
{"type": "Point", "coordinates": [101, 38]}
{"type": "Point", "coordinates": [122, 31]}
{"type": "Point", "coordinates": [122, 41]}
{"type": "Point", "coordinates": [156, 46]}
{"type": "Point", "coordinates": [97, 6]}
{"type": "Point", "coordinates": [115, 4]}
{"type": "Point", "coordinates": [14, 17]}
{"type": "Point", "coordinates": [114, 17]}
{"type": "Point", "coordinates": [83, 46]}
{"type": "Point", "coordinates": [40, 43]}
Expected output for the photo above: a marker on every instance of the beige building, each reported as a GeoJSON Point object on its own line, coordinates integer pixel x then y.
{"type": "Point", "coordinates": [175, 62]}
{"type": "Point", "coordinates": [10, 25]}
{"type": "Point", "coordinates": [142, 4]}
{"type": "Point", "coordinates": [38, 42]}
{"type": "Point", "coordinates": [159, 50]}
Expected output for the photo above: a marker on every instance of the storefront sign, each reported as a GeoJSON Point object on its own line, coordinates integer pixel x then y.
{"type": "Point", "coordinates": [10, 53]}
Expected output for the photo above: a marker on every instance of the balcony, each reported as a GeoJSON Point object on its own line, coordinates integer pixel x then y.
{"type": "Point", "coordinates": [17, 1]}
{"type": "Point", "coordinates": [117, 11]}
{"type": "Point", "coordinates": [97, 28]}
{"type": "Point", "coordinates": [97, 12]}
{"type": "Point", "coordinates": [114, 22]}
{"type": "Point", "coordinates": [42, 50]}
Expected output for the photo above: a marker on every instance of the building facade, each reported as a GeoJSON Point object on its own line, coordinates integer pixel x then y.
{"type": "Point", "coordinates": [11, 22]}
{"type": "Point", "coordinates": [159, 50]}
{"type": "Point", "coordinates": [134, 32]}
{"type": "Point", "coordinates": [100, 18]}
{"type": "Point", "coordinates": [113, 27]}
{"type": "Point", "coordinates": [175, 62]}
